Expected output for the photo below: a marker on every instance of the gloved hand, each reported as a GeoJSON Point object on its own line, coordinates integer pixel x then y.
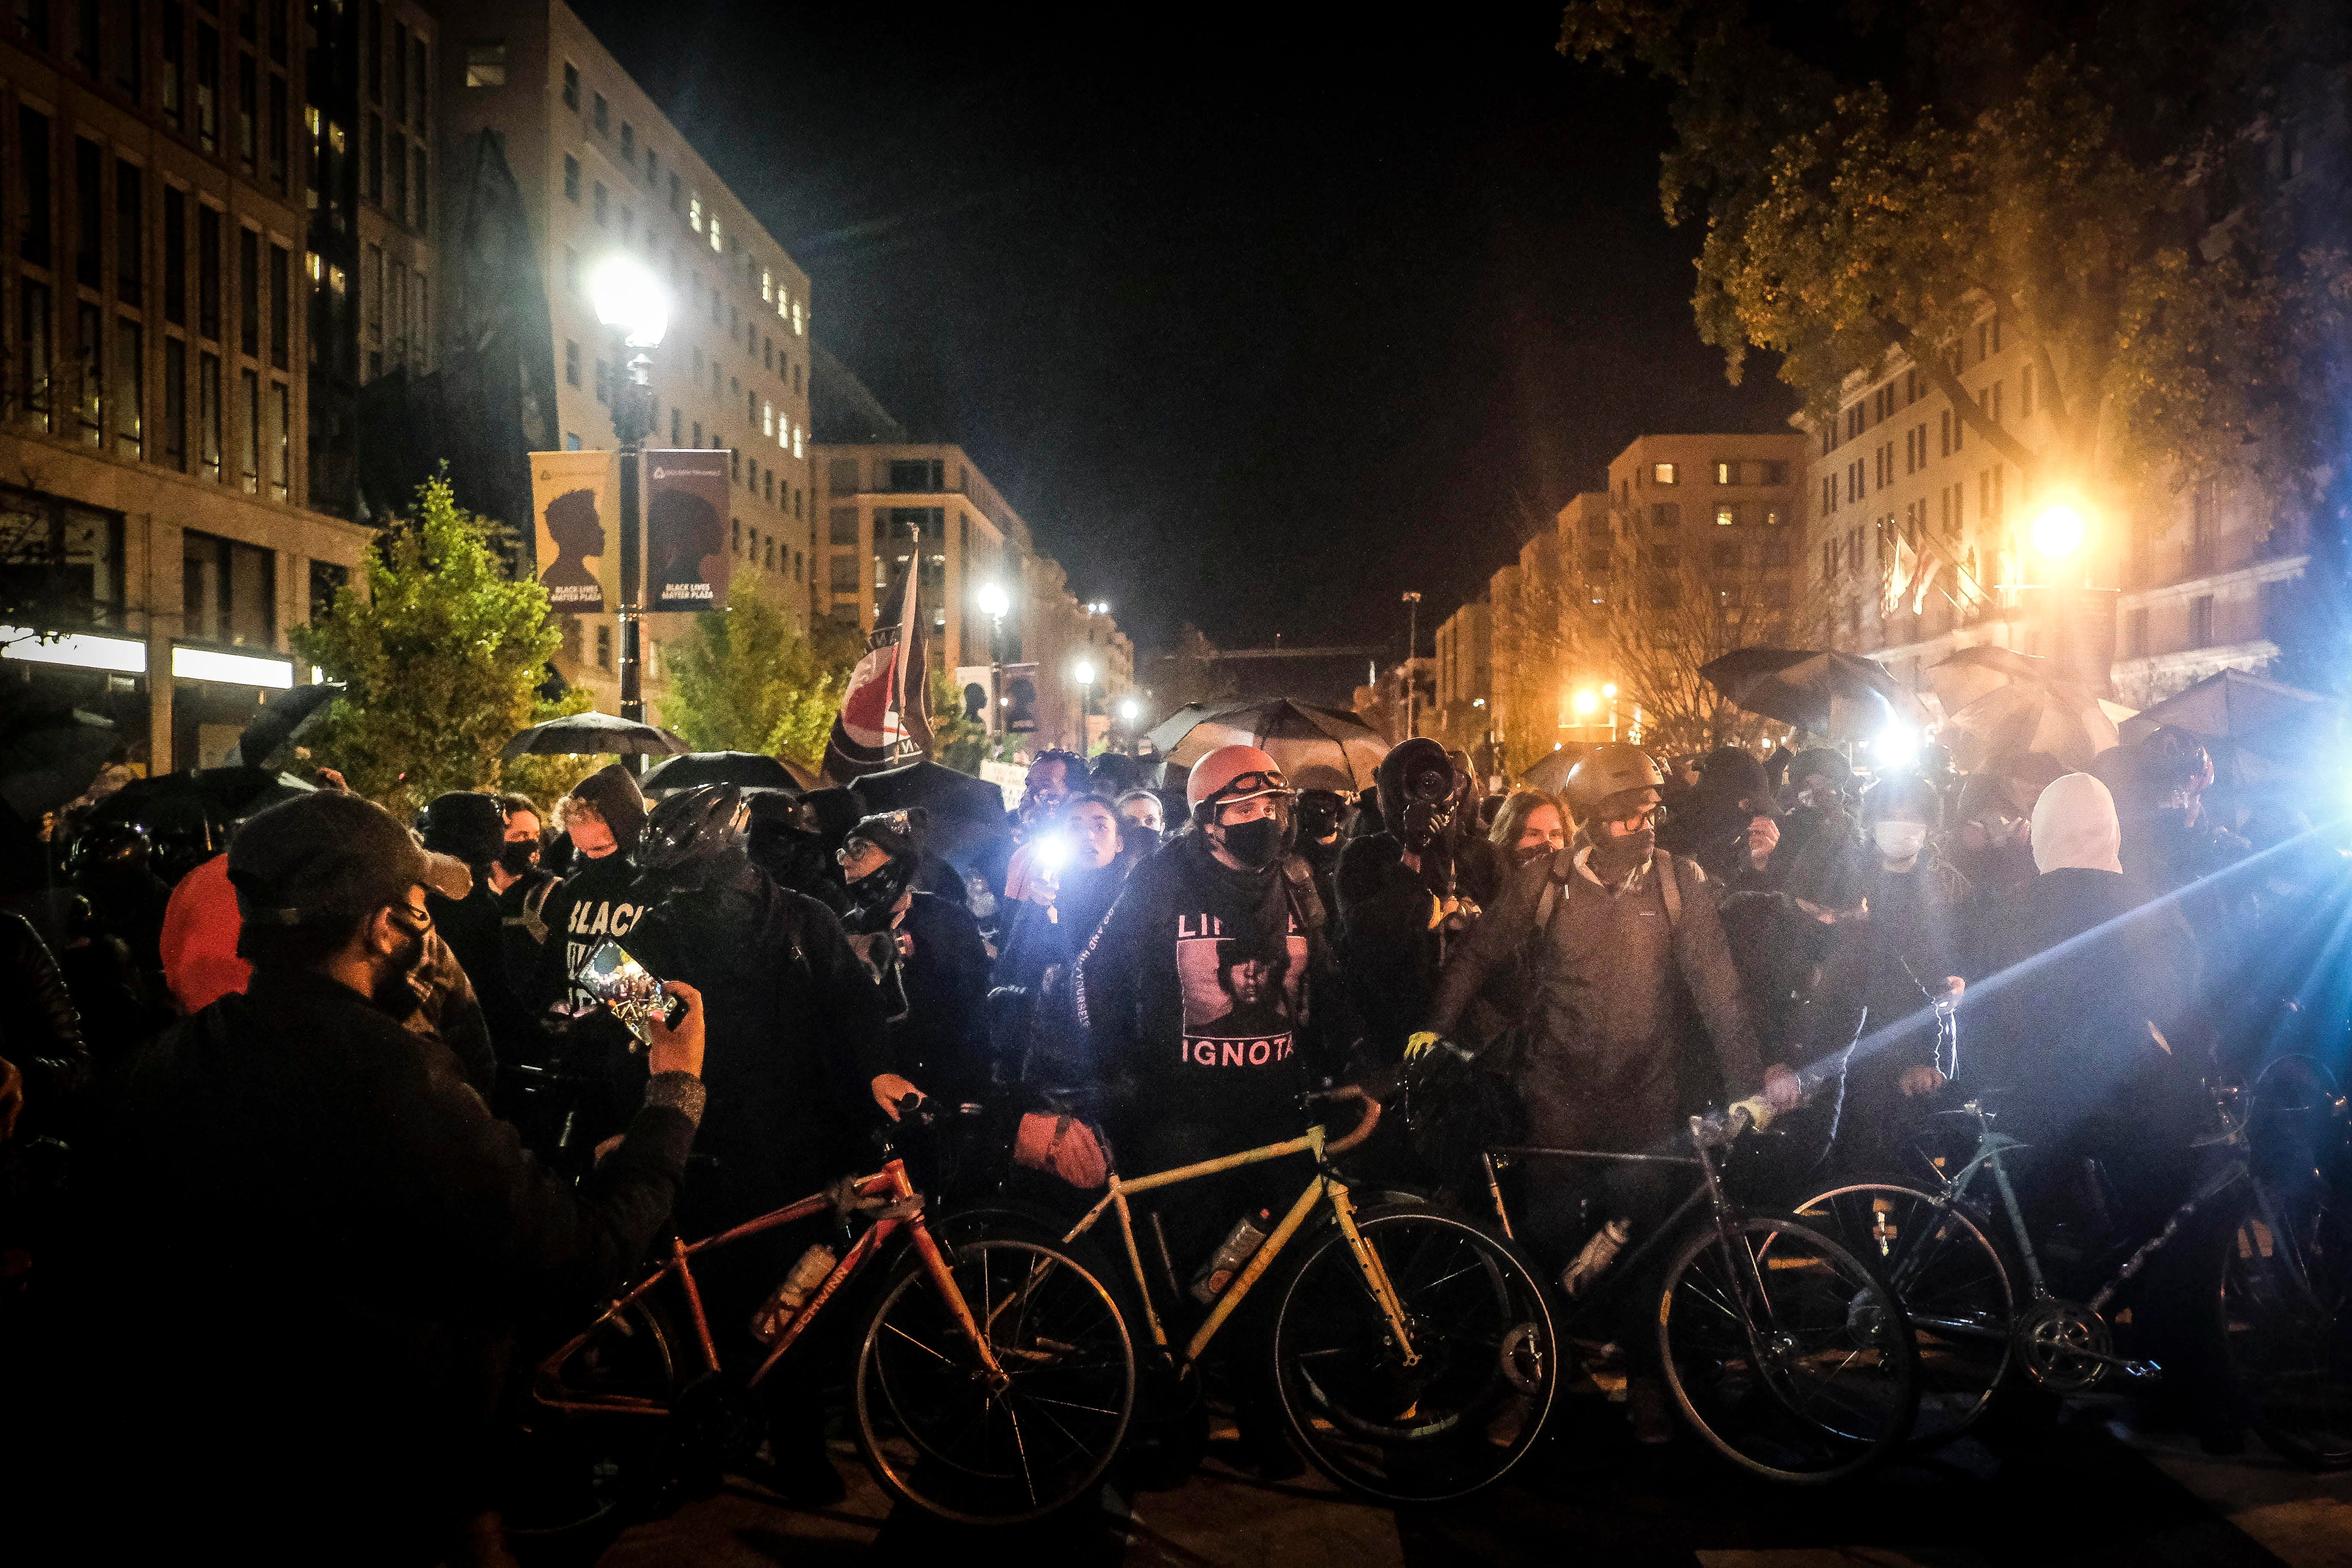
{"type": "Point", "coordinates": [1416, 1045]}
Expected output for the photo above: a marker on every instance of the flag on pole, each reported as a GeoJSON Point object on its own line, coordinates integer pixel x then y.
{"type": "Point", "coordinates": [885, 713]}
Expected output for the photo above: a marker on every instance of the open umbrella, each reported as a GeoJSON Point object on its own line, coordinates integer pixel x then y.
{"type": "Point", "coordinates": [2055, 717]}
{"type": "Point", "coordinates": [1316, 748]}
{"type": "Point", "coordinates": [598, 734]}
{"type": "Point", "coordinates": [1808, 687]}
{"type": "Point", "coordinates": [54, 756]}
{"type": "Point", "coordinates": [1968, 674]}
{"type": "Point", "coordinates": [282, 720]}
{"type": "Point", "coordinates": [1551, 770]}
{"type": "Point", "coordinates": [968, 827]}
{"type": "Point", "coordinates": [2232, 704]}
{"type": "Point", "coordinates": [749, 770]}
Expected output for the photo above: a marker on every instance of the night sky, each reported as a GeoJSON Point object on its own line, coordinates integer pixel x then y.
{"type": "Point", "coordinates": [1257, 325]}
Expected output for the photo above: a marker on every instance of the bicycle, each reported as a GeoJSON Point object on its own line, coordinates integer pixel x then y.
{"type": "Point", "coordinates": [2285, 1278]}
{"type": "Point", "coordinates": [1784, 1351]}
{"type": "Point", "coordinates": [1411, 1352]}
{"type": "Point", "coordinates": [995, 1376]}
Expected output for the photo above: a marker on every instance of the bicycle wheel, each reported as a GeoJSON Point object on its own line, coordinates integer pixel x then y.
{"type": "Point", "coordinates": [2284, 1329]}
{"type": "Point", "coordinates": [940, 1433]}
{"type": "Point", "coordinates": [1953, 1286]}
{"type": "Point", "coordinates": [1482, 1381]}
{"type": "Point", "coordinates": [570, 1468]}
{"type": "Point", "coordinates": [1785, 1351]}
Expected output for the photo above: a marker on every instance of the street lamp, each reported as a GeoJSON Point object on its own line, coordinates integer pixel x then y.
{"type": "Point", "coordinates": [631, 303]}
{"type": "Point", "coordinates": [1085, 672]}
{"type": "Point", "coordinates": [1586, 702]}
{"type": "Point", "coordinates": [1411, 643]}
{"type": "Point", "coordinates": [993, 604]}
{"type": "Point", "coordinates": [2059, 530]}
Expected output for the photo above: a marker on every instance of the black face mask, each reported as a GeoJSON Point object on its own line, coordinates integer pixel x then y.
{"type": "Point", "coordinates": [1255, 844]}
{"type": "Point", "coordinates": [1139, 840]}
{"type": "Point", "coordinates": [872, 896]}
{"type": "Point", "coordinates": [518, 856]}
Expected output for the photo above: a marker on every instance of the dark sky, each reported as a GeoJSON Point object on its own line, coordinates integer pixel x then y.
{"type": "Point", "coordinates": [1258, 325]}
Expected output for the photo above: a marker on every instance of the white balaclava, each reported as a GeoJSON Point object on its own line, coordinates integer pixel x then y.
{"type": "Point", "coordinates": [2075, 826]}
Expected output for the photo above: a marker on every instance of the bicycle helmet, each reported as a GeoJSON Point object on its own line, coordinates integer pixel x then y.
{"type": "Point", "coordinates": [1612, 770]}
{"type": "Point", "coordinates": [695, 824]}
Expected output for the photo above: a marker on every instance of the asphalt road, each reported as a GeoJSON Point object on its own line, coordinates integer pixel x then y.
{"type": "Point", "coordinates": [2104, 1488]}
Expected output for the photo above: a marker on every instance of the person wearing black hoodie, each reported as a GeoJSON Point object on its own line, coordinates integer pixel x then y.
{"type": "Point", "coordinates": [1400, 904]}
{"type": "Point", "coordinates": [1729, 823]}
{"type": "Point", "coordinates": [925, 953]}
{"type": "Point", "coordinates": [470, 829]}
{"type": "Point", "coordinates": [1184, 1086]}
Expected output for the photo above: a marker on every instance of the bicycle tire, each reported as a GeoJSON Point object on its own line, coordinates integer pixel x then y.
{"type": "Point", "coordinates": [937, 1436]}
{"type": "Point", "coordinates": [1484, 1384]}
{"type": "Point", "coordinates": [580, 1468]}
{"type": "Point", "coordinates": [2286, 1337]}
{"type": "Point", "coordinates": [1954, 1285]}
{"type": "Point", "coordinates": [1823, 1389]}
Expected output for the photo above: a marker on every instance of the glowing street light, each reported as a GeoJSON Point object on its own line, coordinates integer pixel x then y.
{"type": "Point", "coordinates": [992, 602]}
{"type": "Point", "coordinates": [2059, 530]}
{"type": "Point", "coordinates": [1610, 690]}
{"type": "Point", "coordinates": [1085, 672]}
{"type": "Point", "coordinates": [631, 303]}
{"type": "Point", "coordinates": [629, 296]}
{"type": "Point", "coordinates": [1586, 702]}
{"type": "Point", "coordinates": [1130, 709]}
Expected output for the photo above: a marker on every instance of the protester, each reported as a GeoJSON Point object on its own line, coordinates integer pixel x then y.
{"type": "Point", "coordinates": [1033, 977]}
{"type": "Point", "coordinates": [1141, 820]}
{"type": "Point", "coordinates": [1322, 816]}
{"type": "Point", "coordinates": [1533, 825]}
{"type": "Point", "coordinates": [47, 1062]}
{"type": "Point", "coordinates": [522, 887]}
{"type": "Point", "coordinates": [1727, 822]}
{"type": "Point", "coordinates": [1622, 932]}
{"type": "Point", "coordinates": [1815, 801]}
{"type": "Point", "coordinates": [1400, 904]}
{"type": "Point", "coordinates": [1053, 776]}
{"type": "Point", "coordinates": [925, 952]}
{"type": "Point", "coordinates": [305, 1182]}
{"type": "Point", "coordinates": [603, 816]}
{"type": "Point", "coordinates": [471, 829]}
{"type": "Point", "coordinates": [1220, 928]}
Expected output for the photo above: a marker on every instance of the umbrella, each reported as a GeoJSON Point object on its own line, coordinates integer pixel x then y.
{"type": "Point", "coordinates": [53, 758]}
{"type": "Point", "coordinates": [968, 827]}
{"type": "Point", "coordinates": [1969, 673]}
{"type": "Point", "coordinates": [1806, 686]}
{"type": "Point", "coordinates": [600, 733]}
{"type": "Point", "coordinates": [2055, 717]}
{"type": "Point", "coordinates": [749, 770]}
{"type": "Point", "coordinates": [282, 719]}
{"type": "Point", "coordinates": [200, 804]}
{"type": "Point", "coordinates": [1551, 771]}
{"type": "Point", "coordinates": [2233, 704]}
{"type": "Point", "coordinates": [1316, 748]}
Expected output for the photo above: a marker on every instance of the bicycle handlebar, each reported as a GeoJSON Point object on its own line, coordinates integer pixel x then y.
{"type": "Point", "coordinates": [1363, 1129]}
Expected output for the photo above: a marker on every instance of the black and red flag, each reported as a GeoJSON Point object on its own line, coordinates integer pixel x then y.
{"type": "Point", "coordinates": [886, 715]}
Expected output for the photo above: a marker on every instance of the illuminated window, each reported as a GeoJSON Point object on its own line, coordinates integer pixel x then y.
{"type": "Point", "coordinates": [693, 213]}
{"type": "Point", "coordinates": [1664, 474]}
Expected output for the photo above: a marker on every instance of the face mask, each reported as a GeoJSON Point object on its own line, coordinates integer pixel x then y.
{"type": "Point", "coordinates": [1900, 840]}
{"type": "Point", "coordinates": [1255, 844]}
{"type": "Point", "coordinates": [1533, 853]}
{"type": "Point", "coordinates": [872, 896]}
{"type": "Point", "coordinates": [519, 856]}
{"type": "Point", "coordinates": [1614, 858]}
{"type": "Point", "coordinates": [394, 991]}
{"type": "Point", "coordinates": [1141, 840]}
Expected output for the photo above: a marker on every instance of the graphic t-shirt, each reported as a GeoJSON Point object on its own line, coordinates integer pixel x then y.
{"type": "Point", "coordinates": [1242, 996]}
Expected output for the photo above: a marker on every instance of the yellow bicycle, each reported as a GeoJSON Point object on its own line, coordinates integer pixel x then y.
{"type": "Point", "coordinates": [1412, 1353]}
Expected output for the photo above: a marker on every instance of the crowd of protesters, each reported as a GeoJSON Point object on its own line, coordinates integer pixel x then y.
{"type": "Point", "coordinates": [307, 1138]}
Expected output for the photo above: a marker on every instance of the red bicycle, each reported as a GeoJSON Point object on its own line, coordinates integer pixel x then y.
{"type": "Point", "coordinates": [994, 1380]}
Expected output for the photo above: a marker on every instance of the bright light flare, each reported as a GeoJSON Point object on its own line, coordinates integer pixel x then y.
{"type": "Point", "coordinates": [628, 295]}
{"type": "Point", "coordinates": [1051, 852]}
{"type": "Point", "coordinates": [2059, 530]}
{"type": "Point", "coordinates": [1897, 746]}
{"type": "Point", "coordinates": [1085, 672]}
{"type": "Point", "coordinates": [1586, 702]}
{"type": "Point", "coordinates": [993, 600]}
{"type": "Point", "coordinates": [1610, 690]}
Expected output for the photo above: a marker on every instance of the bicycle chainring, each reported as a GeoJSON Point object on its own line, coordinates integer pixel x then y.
{"type": "Point", "coordinates": [2065, 1346]}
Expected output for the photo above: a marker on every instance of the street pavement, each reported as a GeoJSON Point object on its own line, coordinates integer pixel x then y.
{"type": "Point", "coordinates": [2105, 1488]}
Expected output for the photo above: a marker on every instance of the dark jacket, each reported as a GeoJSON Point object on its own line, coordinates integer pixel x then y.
{"type": "Point", "coordinates": [1614, 975]}
{"type": "Point", "coordinates": [1187, 937]}
{"type": "Point", "coordinates": [310, 1186]}
{"type": "Point", "coordinates": [1038, 965]}
{"type": "Point", "coordinates": [40, 1029]}
{"type": "Point", "coordinates": [942, 1042]}
{"type": "Point", "coordinates": [474, 927]}
{"type": "Point", "coordinates": [1387, 947]}
{"type": "Point", "coordinates": [598, 900]}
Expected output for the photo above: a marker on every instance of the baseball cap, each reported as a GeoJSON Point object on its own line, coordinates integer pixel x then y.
{"type": "Point", "coordinates": [326, 855]}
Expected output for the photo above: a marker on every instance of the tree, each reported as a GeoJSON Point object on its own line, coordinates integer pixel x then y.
{"type": "Point", "coordinates": [1665, 616]}
{"type": "Point", "coordinates": [442, 662]}
{"type": "Point", "coordinates": [2092, 177]}
{"type": "Point", "coordinates": [742, 679]}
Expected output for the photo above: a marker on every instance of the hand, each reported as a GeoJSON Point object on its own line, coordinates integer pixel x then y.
{"type": "Point", "coordinates": [12, 1098]}
{"type": "Point", "coordinates": [1919, 1081]}
{"type": "Point", "coordinates": [608, 1145]}
{"type": "Point", "coordinates": [1953, 986]}
{"type": "Point", "coordinates": [677, 1047]}
{"type": "Point", "coordinates": [1782, 1090]}
{"type": "Point", "coordinates": [1763, 837]}
{"type": "Point", "coordinates": [1417, 1044]}
{"type": "Point", "coordinates": [890, 1089]}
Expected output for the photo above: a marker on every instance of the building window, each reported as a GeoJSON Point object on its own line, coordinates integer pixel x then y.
{"type": "Point", "coordinates": [571, 87]}
{"type": "Point", "coordinates": [228, 592]}
{"type": "Point", "coordinates": [570, 363]}
{"type": "Point", "coordinates": [485, 66]}
{"type": "Point", "coordinates": [1664, 474]}
{"type": "Point", "coordinates": [571, 178]}
{"type": "Point", "coordinates": [693, 210]}
{"type": "Point", "coordinates": [208, 414]}
{"type": "Point", "coordinates": [602, 118]}
{"type": "Point", "coordinates": [843, 525]}
{"type": "Point", "coordinates": [1727, 557]}
{"type": "Point", "coordinates": [2200, 621]}
{"type": "Point", "coordinates": [603, 648]}
{"type": "Point", "coordinates": [602, 205]}
{"type": "Point", "coordinates": [1726, 473]}
{"type": "Point", "coordinates": [1667, 514]}
{"type": "Point", "coordinates": [629, 145]}
{"type": "Point", "coordinates": [1725, 516]}
{"type": "Point", "coordinates": [571, 440]}
{"type": "Point", "coordinates": [1775, 553]}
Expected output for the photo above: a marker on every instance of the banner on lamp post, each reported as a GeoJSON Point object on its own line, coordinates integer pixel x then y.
{"type": "Point", "coordinates": [576, 537]}
{"type": "Point", "coordinates": [685, 530]}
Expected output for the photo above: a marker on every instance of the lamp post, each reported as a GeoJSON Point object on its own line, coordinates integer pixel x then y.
{"type": "Point", "coordinates": [993, 604]}
{"type": "Point", "coordinates": [1085, 672]}
{"type": "Point", "coordinates": [631, 303]}
{"type": "Point", "coordinates": [1412, 642]}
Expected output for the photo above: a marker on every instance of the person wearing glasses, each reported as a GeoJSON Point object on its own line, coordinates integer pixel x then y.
{"type": "Point", "coordinates": [1626, 961]}
{"type": "Point", "coordinates": [312, 1186]}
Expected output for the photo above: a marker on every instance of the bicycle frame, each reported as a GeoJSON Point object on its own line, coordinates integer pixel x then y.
{"type": "Point", "coordinates": [1325, 1185]}
{"type": "Point", "coordinates": [901, 1207]}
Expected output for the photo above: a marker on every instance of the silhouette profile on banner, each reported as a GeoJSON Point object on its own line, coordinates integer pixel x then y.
{"type": "Point", "coordinates": [685, 530]}
{"type": "Point", "coordinates": [577, 533]}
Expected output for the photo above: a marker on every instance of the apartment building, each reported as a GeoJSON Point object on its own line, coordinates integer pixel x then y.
{"type": "Point", "coordinates": [187, 190]}
{"type": "Point", "coordinates": [891, 504]}
{"type": "Point", "coordinates": [1464, 650]}
{"type": "Point", "coordinates": [1918, 535]}
{"type": "Point", "coordinates": [603, 171]}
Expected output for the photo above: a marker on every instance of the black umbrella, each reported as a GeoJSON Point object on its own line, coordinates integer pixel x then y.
{"type": "Point", "coordinates": [748, 770]}
{"type": "Point", "coordinates": [968, 827]}
{"type": "Point", "coordinates": [200, 804]}
{"type": "Point", "coordinates": [281, 719]}
{"type": "Point", "coordinates": [1799, 686]}
{"type": "Point", "coordinates": [598, 734]}
{"type": "Point", "coordinates": [53, 757]}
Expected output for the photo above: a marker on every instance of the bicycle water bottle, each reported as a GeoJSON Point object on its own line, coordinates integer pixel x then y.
{"type": "Point", "coordinates": [784, 1302]}
{"type": "Point", "coordinates": [1244, 1239]}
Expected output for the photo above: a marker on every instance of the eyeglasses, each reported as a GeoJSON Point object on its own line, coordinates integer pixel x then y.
{"type": "Point", "coordinates": [1648, 817]}
{"type": "Point", "coordinates": [856, 850]}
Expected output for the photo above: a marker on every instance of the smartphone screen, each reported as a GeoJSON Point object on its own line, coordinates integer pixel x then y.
{"type": "Point", "coordinates": [630, 990]}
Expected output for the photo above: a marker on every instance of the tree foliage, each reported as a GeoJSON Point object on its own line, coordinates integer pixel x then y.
{"type": "Point", "coordinates": [1666, 617]}
{"type": "Point", "coordinates": [742, 679]}
{"type": "Point", "coordinates": [442, 661]}
{"type": "Point", "coordinates": [2101, 176]}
